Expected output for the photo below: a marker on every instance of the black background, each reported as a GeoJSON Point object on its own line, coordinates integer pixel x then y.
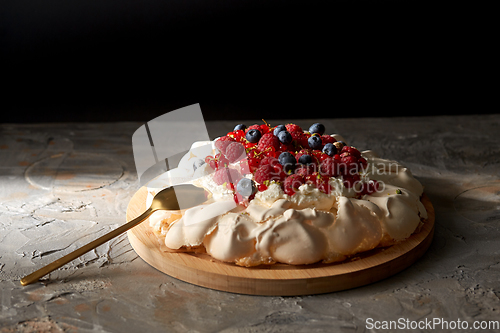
{"type": "Point", "coordinates": [135, 60]}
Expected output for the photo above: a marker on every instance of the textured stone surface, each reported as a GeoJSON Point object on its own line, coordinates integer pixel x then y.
{"type": "Point", "coordinates": [45, 215]}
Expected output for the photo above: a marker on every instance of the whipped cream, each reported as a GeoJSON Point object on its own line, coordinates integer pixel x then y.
{"type": "Point", "coordinates": [305, 228]}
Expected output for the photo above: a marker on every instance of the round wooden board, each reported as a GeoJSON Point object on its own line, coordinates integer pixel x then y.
{"type": "Point", "coordinates": [278, 279]}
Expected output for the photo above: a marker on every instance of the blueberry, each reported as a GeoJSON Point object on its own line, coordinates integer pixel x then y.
{"type": "Point", "coordinates": [285, 137]}
{"type": "Point", "coordinates": [253, 136]}
{"type": "Point", "coordinates": [240, 127]}
{"type": "Point", "coordinates": [330, 149]}
{"type": "Point", "coordinates": [278, 129]}
{"type": "Point", "coordinates": [317, 128]}
{"type": "Point", "coordinates": [314, 142]}
{"type": "Point", "coordinates": [305, 159]}
{"type": "Point", "coordinates": [246, 187]}
{"type": "Point", "coordinates": [287, 160]}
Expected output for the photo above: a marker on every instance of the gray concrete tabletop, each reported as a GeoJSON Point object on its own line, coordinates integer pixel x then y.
{"type": "Point", "coordinates": [65, 184]}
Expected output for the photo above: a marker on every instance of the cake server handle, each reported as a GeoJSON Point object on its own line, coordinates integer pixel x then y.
{"type": "Point", "coordinates": [33, 277]}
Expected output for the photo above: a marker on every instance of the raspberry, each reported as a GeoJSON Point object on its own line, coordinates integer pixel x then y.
{"type": "Point", "coordinates": [329, 167]}
{"type": "Point", "coordinates": [327, 139]}
{"type": "Point", "coordinates": [235, 152]}
{"type": "Point", "coordinates": [303, 140]}
{"type": "Point", "coordinates": [305, 170]}
{"type": "Point", "coordinates": [321, 182]}
{"type": "Point", "coordinates": [269, 140]}
{"type": "Point", "coordinates": [349, 162]}
{"type": "Point", "coordinates": [351, 180]}
{"type": "Point", "coordinates": [292, 183]}
{"type": "Point", "coordinates": [362, 162]}
{"type": "Point", "coordinates": [286, 147]}
{"type": "Point", "coordinates": [266, 173]}
{"type": "Point", "coordinates": [257, 127]}
{"type": "Point", "coordinates": [228, 176]}
{"type": "Point", "coordinates": [351, 150]}
{"type": "Point", "coordinates": [222, 143]}
{"type": "Point", "coordinates": [370, 187]}
{"type": "Point", "coordinates": [293, 128]}
{"type": "Point", "coordinates": [272, 161]}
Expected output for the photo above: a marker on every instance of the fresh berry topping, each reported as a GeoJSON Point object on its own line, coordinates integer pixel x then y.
{"type": "Point", "coordinates": [323, 184]}
{"type": "Point", "coordinates": [351, 150]}
{"type": "Point", "coordinates": [302, 140]}
{"type": "Point", "coordinates": [210, 160]}
{"type": "Point", "coordinates": [264, 128]}
{"type": "Point", "coordinates": [253, 135]}
{"type": "Point", "coordinates": [289, 147]}
{"type": "Point", "coordinates": [370, 187]}
{"type": "Point", "coordinates": [269, 140]}
{"type": "Point", "coordinates": [222, 142]}
{"type": "Point", "coordinates": [285, 137]}
{"type": "Point", "coordinates": [237, 135]}
{"type": "Point", "coordinates": [226, 176]}
{"type": "Point", "coordinates": [287, 160]}
{"type": "Point", "coordinates": [350, 162]}
{"type": "Point", "coordinates": [221, 161]}
{"type": "Point", "coordinates": [329, 149]}
{"type": "Point", "coordinates": [363, 162]}
{"type": "Point", "coordinates": [278, 129]}
{"type": "Point", "coordinates": [330, 167]}
{"type": "Point", "coordinates": [266, 173]}
{"type": "Point", "coordinates": [253, 164]}
{"type": "Point", "coordinates": [293, 128]}
{"type": "Point", "coordinates": [314, 142]}
{"type": "Point", "coordinates": [339, 145]}
{"type": "Point", "coordinates": [241, 127]}
{"type": "Point", "coordinates": [351, 180]}
{"type": "Point", "coordinates": [235, 152]}
{"type": "Point", "coordinates": [305, 170]}
{"type": "Point", "coordinates": [327, 139]}
{"type": "Point", "coordinates": [271, 160]}
{"type": "Point", "coordinates": [305, 159]}
{"type": "Point", "coordinates": [246, 187]}
{"type": "Point", "coordinates": [317, 128]}
{"type": "Point", "coordinates": [292, 184]}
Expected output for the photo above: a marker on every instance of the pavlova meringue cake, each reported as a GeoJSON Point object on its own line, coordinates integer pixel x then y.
{"type": "Point", "coordinates": [282, 194]}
